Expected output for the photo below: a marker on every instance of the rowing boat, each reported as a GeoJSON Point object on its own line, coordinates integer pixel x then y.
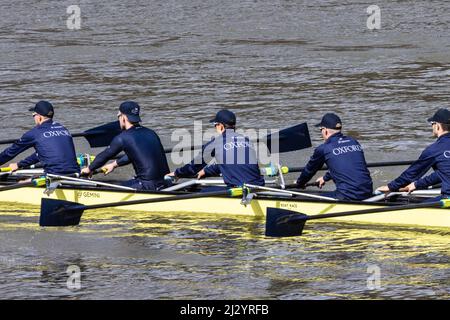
{"type": "Point", "coordinates": [256, 207]}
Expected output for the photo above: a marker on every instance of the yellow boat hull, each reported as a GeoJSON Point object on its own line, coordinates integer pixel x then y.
{"type": "Point", "coordinates": [439, 218]}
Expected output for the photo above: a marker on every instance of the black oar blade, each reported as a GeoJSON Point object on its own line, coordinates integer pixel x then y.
{"type": "Point", "coordinates": [291, 139]}
{"type": "Point", "coordinates": [59, 213]}
{"type": "Point", "coordinates": [284, 223]}
{"type": "Point", "coordinates": [103, 135]}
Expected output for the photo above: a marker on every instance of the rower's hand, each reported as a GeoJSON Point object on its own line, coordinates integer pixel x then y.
{"type": "Point", "coordinates": [108, 168]}
{"type": "Point", "coordinates": [384, 189]}
{"type": "Point", "coordinates": [300, 186]}
{"type": "Point", "coordinates": [409, 188]}
{"type": "Point", "coordinates": [201, 174]}
{"type": "Point", "coordinates": [321, 182]}
{"type": "Point", "coordinates": [13, 166]}
{"type": "Point", "coordinates": [86, 172]}
{"type": "Point", "coordinates": [172, 176]}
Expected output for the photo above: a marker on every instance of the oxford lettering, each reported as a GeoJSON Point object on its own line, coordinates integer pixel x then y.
{"type": "Point", "coordinates": [56, 133]}
{"type": "Point", "coordinates": [346, 149]}
{"type": "Point", "coordinates": [231, 145]}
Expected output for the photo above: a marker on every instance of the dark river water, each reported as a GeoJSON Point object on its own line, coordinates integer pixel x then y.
{"type": "Point", "coordinates": [274, 63]}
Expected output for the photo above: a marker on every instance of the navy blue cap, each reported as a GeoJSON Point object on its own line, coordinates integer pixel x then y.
{"type": "Point", "coordinates": [44, 108]}
{"type": "Point", "coordinates": [131, 109]}
{"type": "Point", "coordinates": [441, 116]}
{"type": "Point", "coordinates": [225, 117]}
{"type": "Point", "coordinates": [330, 121]}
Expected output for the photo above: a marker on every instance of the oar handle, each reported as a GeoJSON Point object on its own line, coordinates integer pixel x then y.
{"type": "Point", "coordinates": [8, 141]}
{"type": "Point", "coordinates": [295, 186]}
{"type": "Point", "coordinates": [33, 183]}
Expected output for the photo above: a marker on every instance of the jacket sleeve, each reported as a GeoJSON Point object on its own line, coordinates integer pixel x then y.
{"type": "Point", "coordinates": [327, 176]}
{"type": "Point", "coordinates": [314, 164]}
{"type": "Point", "coordinates": [415, 171]}
{"type": "Point", "coordinates": [427, 181]}
{"type": "Point", "coordinates": [27, 141]}
{"type": "Point", "coordinates": [212, 170]}
{"type": "Point", "coordinates": [112, 150]}
{"type": "Point", "coordinates": [198, 163]}
{"type": "Point", "coordinates": [32, 159]}
{"type": "Point", "coordinates": [123, 161]}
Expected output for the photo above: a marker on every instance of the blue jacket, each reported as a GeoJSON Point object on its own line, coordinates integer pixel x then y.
{"type": "Point", "coordinates": [54, 149]}
{"type": "Point", "coordinates": [143, 149]}
{"type": "Point", "coordinates": [436, 156]}
{"type": "Point", "coordinates": [347, 166]}
{"type": "Point", "coordinates": [235, 158]}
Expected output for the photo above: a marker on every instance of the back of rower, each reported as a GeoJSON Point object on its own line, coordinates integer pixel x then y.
{"type": "Point", "coordinates": [436, 156]}
{"type": "Point", "coordinates": [345, 159]}
{"type": "Point", "coordinates": [52, 142]}
{"type": "Point", "coordinates": [234, 155]}
{"type": "Point", "coordinates": [142, 147]}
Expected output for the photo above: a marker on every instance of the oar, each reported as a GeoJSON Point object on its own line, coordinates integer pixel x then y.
{"type": "Point", "coordinates": [97, 137]}
{"type": "Point", "coordinates": [292, 193]}
{"type": "Point", "coordinates": [423, 193]}
{"type": "Point", "coordinates": [286, 223]}
{"type": "Point", "coordinates": [101, 136]}
{"type": "Point", "coordinates": [295, 186]}
{"type": "Point", "coordinates": [58, 213]}
{"type": "Point", "coordinates": [369, 165]}
{"type": "Point", "coordinates": [75, 178]}
{"type": "Point", "coordinates": [290, 139]}
{"type": "Point", "coordinates": [33, 183]}
{"type": "Point", "coordinates": [32, 167]}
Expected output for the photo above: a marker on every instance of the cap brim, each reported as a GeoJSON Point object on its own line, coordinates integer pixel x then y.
{"type": "Point", "coordinates": [432, 119]}
{"type": "Point", "coordinates": [318, 125]}
{"type": "Point", "coordinates": [133, 118]}
{"type": "Point", "coordinates": [31, 109]}
{"type": "Point", "coordinates": [213, 120]}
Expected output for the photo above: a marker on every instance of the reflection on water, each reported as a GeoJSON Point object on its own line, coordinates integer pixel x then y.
{"type": "Point", "coordinates": [276, 63]}
{"type": "Point", "coordinates": [168, 256]}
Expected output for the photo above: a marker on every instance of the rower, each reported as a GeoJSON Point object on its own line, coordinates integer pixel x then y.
{"type": "Point", "coordinates": [52, 142]}
{"type": "Point", "coordinates": [345, 159]}
{"type": "Point", "coordinates": [436, 156]}
{"type": "Point", "coordinates": [142, 147]}
{"type": "Point", "coordinates": [234, 154]}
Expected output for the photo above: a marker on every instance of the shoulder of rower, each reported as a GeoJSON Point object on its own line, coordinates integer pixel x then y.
{"type": "Point", "coordinates": [29, 135]}
{"type": "Point", "coordinates": [141, 130]}
{"type": "Point", "coordinates": [119, 138]}
{"type": "Point", "coordinates": [438, 147]}
{"type": "Point", "coordinates": [322, 149]}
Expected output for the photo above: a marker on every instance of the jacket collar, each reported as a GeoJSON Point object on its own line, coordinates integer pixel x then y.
{"type": "Point", "coordinates": [444, 136]}
{"type": "Point", "coordinates": [46, 123]}
{"type": "Point", "coordinates": [334, 137]}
